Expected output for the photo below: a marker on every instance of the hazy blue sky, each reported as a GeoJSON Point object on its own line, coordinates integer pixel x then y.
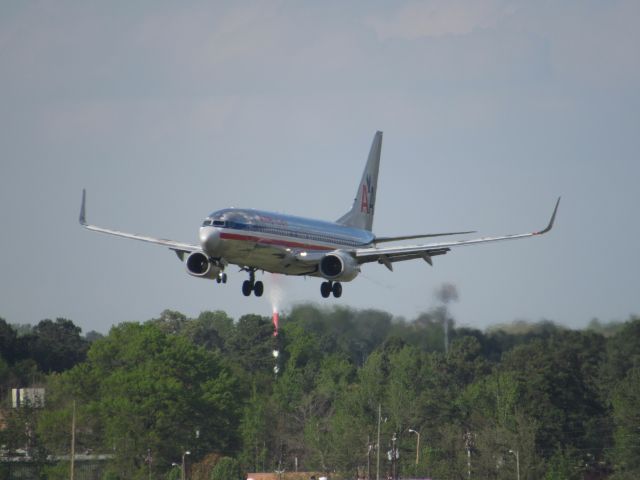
{"type": "Point", "coordinates": [166, 111]}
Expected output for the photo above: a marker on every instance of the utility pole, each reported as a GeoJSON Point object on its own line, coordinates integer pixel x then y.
{"type": "Point", "coordinates": [517, 454]}
{"type": "Point", "coordinates": [468, 442]}
{"type": "Point", "coordinates": [394, 457]}
{"type": "Point", "coordinates": [149, 460]}
{"type": "Point", "coordinates": [73, 442]}
{"type": "Point", "coordinates": [369, 448]}
{"type": "Point", "coordinates": [378, 445]}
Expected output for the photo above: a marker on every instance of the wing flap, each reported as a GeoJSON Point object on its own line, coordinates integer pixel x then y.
{"type": "Point", "coordinates": [384, 258]}
{"type": "Point", "coordinates": [424, 235]}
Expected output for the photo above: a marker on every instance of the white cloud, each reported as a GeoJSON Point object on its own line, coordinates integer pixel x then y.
{"type": "Point", "coordinates": [596, 47]}
{"type": "Point", "coordinates": [435, 18]}
{"type": "Point", "coordinates": [212, 34]}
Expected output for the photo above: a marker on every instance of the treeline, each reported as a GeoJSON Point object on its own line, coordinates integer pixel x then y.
{"type": "Point", "coordinates": [558, 403]}
{"type": "Point", "coordinates": [28, 354]}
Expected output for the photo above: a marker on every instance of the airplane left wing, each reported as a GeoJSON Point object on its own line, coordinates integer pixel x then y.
{"type": "Point", "coordinates": [387, 256]}
{"type": "Point", "coordinates": [173, 245]}
{"type": "Point", "coordinates": [424, 235]}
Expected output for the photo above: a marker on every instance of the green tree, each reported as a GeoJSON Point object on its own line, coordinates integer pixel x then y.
{"type": "Point", "coordinates": [353, 333]}
{"type": "Point", "coordinates": [19, 432]}
{"type": "Point", "coordinates": [557, 398]}
{"type": "Point", "coordinates": [561, 467]}
{"type": "Point", "coordinates": [170, 321]}
{"type": "Point", "coordinates": [54, 345]}
{"type": "Point", "coordinates": [557, 384]}
{"type": "Point", "coordinates": [294, 392]}
{"type": "Point", "coordinates": [226, 469]}
{"type": "Point", "coordinates": [623, 353]}
{"type": "Point", "coordinates": [251, 344]}
{"type": "Point", "coordinates": [626, 415]}
{"type": "Point", "coordinates": [255, 429]}
{"type": "Point", "coordinates": [153, 390]}
{"type": "Point", "coordinates": [8, 338]}
{"type": "Point", "coordinates": [500, 430]}
{"type": "Point", "coordinates": [211, 330]}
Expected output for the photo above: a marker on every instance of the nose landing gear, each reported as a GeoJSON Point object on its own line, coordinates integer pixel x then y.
{"type": "Point", "coordinates": [221, 278]}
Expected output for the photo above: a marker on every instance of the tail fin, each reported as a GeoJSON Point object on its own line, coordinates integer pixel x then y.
{"type": "Point", "coordinates": [361, 213]}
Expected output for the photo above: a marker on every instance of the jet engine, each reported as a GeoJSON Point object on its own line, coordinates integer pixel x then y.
{"type": "Point", "coordinates": [339, 266]}
{"type": "Point", "coordinates": [199, 265]}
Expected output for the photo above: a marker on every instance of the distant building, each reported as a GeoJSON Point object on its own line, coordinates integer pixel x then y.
{"type": "Point", "coordinates": [285, 476]}
{"type": "Point", "coordinates": [27, 397]}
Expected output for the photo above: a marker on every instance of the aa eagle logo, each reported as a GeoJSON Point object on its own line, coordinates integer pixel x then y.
{"type": "Point", "coordinates": [367, 199]}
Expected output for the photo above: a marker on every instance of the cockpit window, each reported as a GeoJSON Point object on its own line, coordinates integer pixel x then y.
{"type": "Point", "coordinates": [216, 223]}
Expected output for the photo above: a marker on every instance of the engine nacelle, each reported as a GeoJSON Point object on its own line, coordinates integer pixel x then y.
{"type": "Point", "coordinates": [339, 266]}
{"type": "Point", "coordinates": [199, 265]}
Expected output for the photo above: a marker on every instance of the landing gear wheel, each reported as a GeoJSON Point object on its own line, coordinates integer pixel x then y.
{"type": "Point", "coordinates": [218, 279]}
{"type": "Point", "coordinates": [258, 289]}
{"type": "Point", "coordinates": [247, 287]}
{"type": "Point", "coordinates": [325, 289]}
{"type": "Point", "coordinates": [337, 289]}
{"type": "Point", "coordinates": [224, 278]}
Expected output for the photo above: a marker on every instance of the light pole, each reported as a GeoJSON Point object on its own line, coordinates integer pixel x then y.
{"type": "Point", "coordinates": [417, 445]}
{"type": "Point", "coordinates": [73, 443]}
{"type": "Point", "coordinates": [517, 454]}
{"type": "Point", "coordinates": [378, 444]}
{"type": "Point", "coordinates": [468, 442]}
{"type": "Point", "coordinates": [369, 449]}
{"type": "Point", "coordinates": [182, 476]}
{"type": "Point", "coordinates": [393, 457]}
{"type": "Point", "coordinates": [148, 460]}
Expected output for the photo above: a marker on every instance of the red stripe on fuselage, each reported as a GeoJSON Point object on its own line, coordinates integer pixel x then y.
{"type": "Point", "coordinates": [272, 241]}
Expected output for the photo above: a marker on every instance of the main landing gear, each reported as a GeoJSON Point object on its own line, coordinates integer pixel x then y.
{"type": "Point", "coordinates": [328, 287]}
{"type": "Point", "coordinates": [251, 285]}
{"type": "Point", "coordinates": [221, 278]}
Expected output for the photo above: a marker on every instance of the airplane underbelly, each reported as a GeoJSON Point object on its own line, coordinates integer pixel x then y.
{"type": "Point", "coordinates": [268, 257]}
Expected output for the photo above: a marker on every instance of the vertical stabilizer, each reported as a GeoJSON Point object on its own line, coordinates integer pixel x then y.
{"type": "Point", "coordinates": [361, 213]}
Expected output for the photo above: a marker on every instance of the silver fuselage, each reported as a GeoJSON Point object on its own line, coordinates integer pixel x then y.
{"type": "Point", "coordinates": [275, 242]}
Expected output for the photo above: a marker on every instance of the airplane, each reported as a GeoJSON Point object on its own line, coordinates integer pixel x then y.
{"type": "Point", "coordinates": [273, 242]}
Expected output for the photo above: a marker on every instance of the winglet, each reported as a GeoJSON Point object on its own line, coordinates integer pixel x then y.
{"type": "Point", "coordinates": [553, 218]}
{"type": "Point", "coordinates": [83, 220]}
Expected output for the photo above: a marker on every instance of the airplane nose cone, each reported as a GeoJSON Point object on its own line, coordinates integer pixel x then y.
{"type": "Point", "coordinates": [210, 240]}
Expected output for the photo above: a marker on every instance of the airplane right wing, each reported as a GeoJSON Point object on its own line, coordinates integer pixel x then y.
{"type": "Point", "coordinates": [173, 245]}
{"type": "Point", "coordinates": [388, 255]}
